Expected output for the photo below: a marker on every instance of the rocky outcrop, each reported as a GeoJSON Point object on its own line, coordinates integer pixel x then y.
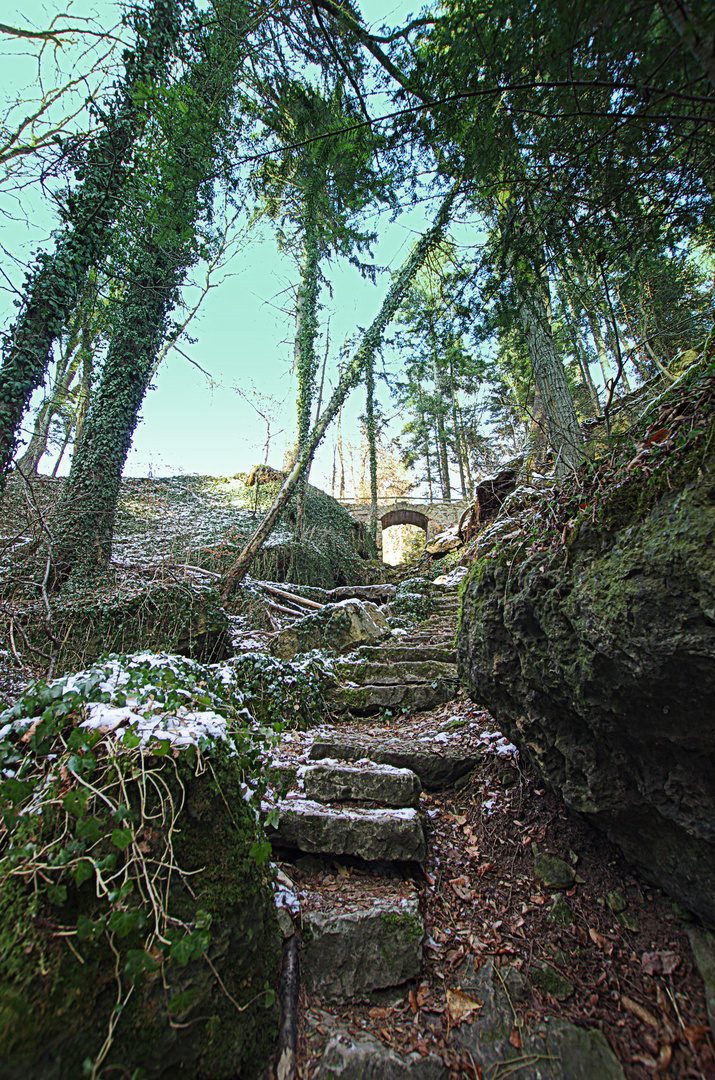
{"type": "Point", "coordinates": [340, 627]}
{"type": "Point", "coordinates": [597, 660]}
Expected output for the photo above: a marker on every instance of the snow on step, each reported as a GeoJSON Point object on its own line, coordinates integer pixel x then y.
{"type": "Point", "coordinates": [356, 949]}
{"type": "Point", "coordinates": [389, 835]}
{"type": "Point", "coordinates": [334, 781]}
{"type": "Point", "coordinates": [437, 766]}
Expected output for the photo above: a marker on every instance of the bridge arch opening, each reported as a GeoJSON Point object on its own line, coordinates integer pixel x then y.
{"type": "Point", "coordinates": [404, 534]}
{"type": "Point", "coordinates": [402, 516]}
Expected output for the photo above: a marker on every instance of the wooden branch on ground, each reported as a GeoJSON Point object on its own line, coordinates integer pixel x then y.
{"type": "Point", "coordinates": [300, 600]}
{"type": "Point", "coordinates": [286, 1057]}
{"type": "Point", "coordinates": [286, 610]}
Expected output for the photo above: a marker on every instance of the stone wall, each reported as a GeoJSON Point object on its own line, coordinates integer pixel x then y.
{"type": "Point", "coordinates": [438, 515]}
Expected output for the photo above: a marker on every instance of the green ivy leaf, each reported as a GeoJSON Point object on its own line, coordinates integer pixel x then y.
{"type": "Point", "coordinates": [75, 802]}
{"type": "Point", "coordinates": [182, 1001]}
{"type": "Point", "coordinates": [123, 922]}
{"type": "Point", "coordinates": [83, 871]}
{"type": "Point", "coordinates": [57, 894]}
{"type": "Point", "coordinates": [122, 838]}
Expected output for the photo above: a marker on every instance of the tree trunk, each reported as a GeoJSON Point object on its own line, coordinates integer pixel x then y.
{"type": "Point", "coordinates": [54, 287]}
{"type": "Point", "coordinates": [693, 36]}
{"type": "Point", "coordinates": [306, 330]}
{"type": "Point", "coordinates": [427, 453]}
{"type": "Point", "coordinates": [371, 441]}
{"type": "Point", "coordinates": [456, 428]}
{"type": "Point", "coordinates": [580, 353]}
{"type": "Point", "coordinates": [349, 379]}
{"type": "Point", "coordinates": [565, 434]}
{"type": "Point", "coordinates": [84, 521]}
{"type": "Point", "coordinates": [85, 516]}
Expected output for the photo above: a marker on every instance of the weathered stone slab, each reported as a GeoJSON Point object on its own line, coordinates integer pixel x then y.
{"type": "Point", "coordinates": [362, 1057]}
{"type": "Point", "coordinates": [340, 627]}
{"type": "Point", "coordinates": [371, 673]}
{"type": "Point", "coordinates": [384, 654]}
{"type": "Point", "coordinates": [377, 594]}
{"type": "Point", "coordinates": [366, 700]}
{"type": "Point", "coordinates": [349, 953]}
{"type": "Point", "coordinates": [435, 768]}
{"type": "Point", "coordinates": [335, 782]}
{"type": "Point", "coordinates": [391, 835]}
{"type": "Point", "coordinates": [572, 1053]}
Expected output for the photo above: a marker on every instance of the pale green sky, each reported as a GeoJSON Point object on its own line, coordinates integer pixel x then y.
{"type": "Point", "coordinates": [243, 331]}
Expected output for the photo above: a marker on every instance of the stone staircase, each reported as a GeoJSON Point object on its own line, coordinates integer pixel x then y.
{"type": "Point", "coordinates": [413, 671]}
{"type": "Point", "coordinates": [353, 816]}
{"type": "Point", "coordinates": [351, 848]}
{"type": "Point", "coordinates": [361, 818]}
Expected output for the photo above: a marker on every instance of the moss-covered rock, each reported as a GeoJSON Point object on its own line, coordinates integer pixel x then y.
{"type": "Point", "coordinates": [599, 665]}
{"type": "Point", "coordinates": [138, 933]}
{"type": "Point", "coordinates": [126, 616]}
{"type": "Point", "coordinates": [338, 628]}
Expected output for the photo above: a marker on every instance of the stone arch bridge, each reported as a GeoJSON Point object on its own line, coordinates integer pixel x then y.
{"type": "Point", "coordinates": [431, 516]}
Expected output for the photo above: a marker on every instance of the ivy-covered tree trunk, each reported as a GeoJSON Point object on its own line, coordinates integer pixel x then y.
{"type": "Point", "coordinates": [55, 282]}
{"type": "Point", "coordinates": [565, 433]}
{"type": "Point", "coordinates": [371, 441]}
{"type": "Point", "coordinates": [85, 518]}
{"type": "Point", "coordinates": [306, 332]}
{"type": "Point", "coordinates": [84, 522]}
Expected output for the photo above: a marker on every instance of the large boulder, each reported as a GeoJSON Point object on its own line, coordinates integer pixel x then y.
{"type": "Point", "coordinates": [148, 940]}
{"type": "Point", "coordinates": [597, 660]}
{"type": "Point", "coordinates": [339, 627]}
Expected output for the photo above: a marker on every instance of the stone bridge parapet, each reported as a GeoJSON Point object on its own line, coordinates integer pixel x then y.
{"type": "Point", "coordinates": [433, 517]}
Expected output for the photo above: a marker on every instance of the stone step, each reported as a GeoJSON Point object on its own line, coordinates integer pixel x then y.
{"type": "Point", "coordinates": [363, 946]}
{"type": "Point", "coordinates": [334, 781]}
{"type": "Point", "coordinates": [354, 1055]}
{"type": "Point", "coordinates": [436, 767]}
{"type": "Point", "coordinates": [386, 835]}
{"type": "Point", "coordinates": [398, 653]}
{"type": "Point", "coordinates": [368, 672]}
{"type": "Point", "coordinates": [368, 700]}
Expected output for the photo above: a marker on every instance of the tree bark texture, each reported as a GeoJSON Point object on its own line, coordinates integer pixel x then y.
{"type": "Point", "coordinates": [565, 434]}
{"type": "Point", "coordinates": [55, 284]}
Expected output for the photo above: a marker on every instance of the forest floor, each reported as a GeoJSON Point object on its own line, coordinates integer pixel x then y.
{"type": "Point", "coordinates": [629, 972]}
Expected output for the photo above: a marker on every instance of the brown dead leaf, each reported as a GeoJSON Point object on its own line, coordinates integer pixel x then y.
{"type": "Point", "coordinates": [379, 1014]}
{"type": "Point", "coordinates": [413, 1002]}
{"type": "Point", "coordinates": [29, 733]}
{"type": "Point", "coordinates": [461, 1005]}
{"type": "Point", "coordinates": [423, 996]}
{"type": "Point", "coordinates": [664, 1057]}
{"type": "Point", "coordinates": [515, 1039]}
{"type": "Point", "coordinates": [695, 1036]}
{"type": "Point", "coordinates": [460, 888]}
{"type": "Point", "coordinates": [660, 963]}
{"type": "Point", "coordinates": [485, 868]}
{"type": "Point", "coordinates": [601, 941]}
{"type": "Point", "coordinates": [637, 1010]}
